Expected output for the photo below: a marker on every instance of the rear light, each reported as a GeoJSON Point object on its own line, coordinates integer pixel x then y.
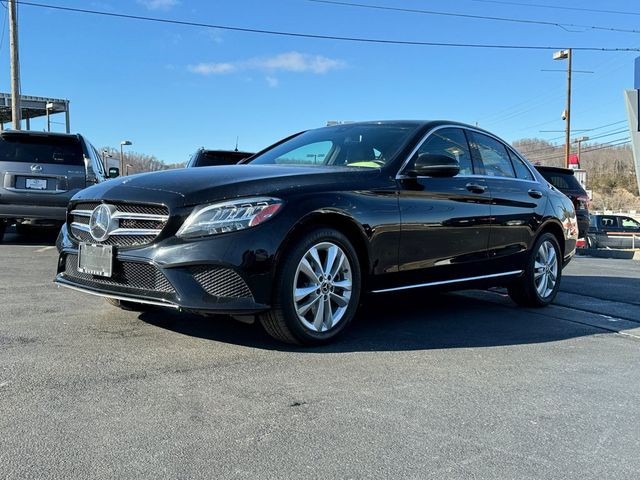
{"type": "Point", "coordinates": [582, 202]}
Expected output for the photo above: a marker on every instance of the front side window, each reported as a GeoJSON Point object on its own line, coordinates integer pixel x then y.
{"type": "Point", "coordinates": [493, 155]}
{"type": "Point", "coordinates": [350, 145]}
{"type": "Point", "coordinates": [629, 223]}
{"type": "Point", "coordinates": [609, 222]}
{"type": "Point", "coordinates": [450, 142]}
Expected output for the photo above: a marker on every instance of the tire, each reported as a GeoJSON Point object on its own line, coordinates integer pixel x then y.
{"type": "Point", "coordinates": [59, 242]}
{"type": "Point", "coordinates": [327, 286]}
{"type": "Point", "coordinates": [591, 242]}
{"type": "Point", "coordinates": [130, 306]}
{"type": "Point", "coordinates": [540, 281]}
{"type": "Point", "coordinates": [3, 228]}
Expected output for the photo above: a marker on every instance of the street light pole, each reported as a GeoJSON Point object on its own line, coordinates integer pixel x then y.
{"type": "Point", "coordinates": [122, 164]}
{"type": "Point", "coordinates": [48, 107]}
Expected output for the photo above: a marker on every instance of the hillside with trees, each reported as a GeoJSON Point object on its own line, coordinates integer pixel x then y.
{"type": "Point", "coordinates": [610, 170]}
{"type": "Point", "coordinates": [140, 162]}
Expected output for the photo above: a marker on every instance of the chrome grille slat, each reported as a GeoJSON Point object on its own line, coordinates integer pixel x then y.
{"type": "Point", "coordinates": [137, 224]}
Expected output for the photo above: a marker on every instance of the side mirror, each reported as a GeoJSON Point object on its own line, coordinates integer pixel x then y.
{"type": "Point", "coordinates": [114, 172]}
{"type": "Point", "coordinates": [430, 165]}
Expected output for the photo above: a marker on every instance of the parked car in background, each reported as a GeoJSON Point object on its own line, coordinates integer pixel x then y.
{"type": "Point", "coordinates": [297, 234]}
{"type": "Point", "coordinates": [210, 158]}
{"type": "Point", "coordinates": [564, 180]}
{"type": "Point", "coordinates": [613, 231]}
{"type": "Point", "coordinates": [39, 173]}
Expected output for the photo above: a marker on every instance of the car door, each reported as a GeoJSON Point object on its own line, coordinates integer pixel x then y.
{"type": "Point", "coordinates": [444, 221]}
{"type": "Point", "coordinates": [518, 200]}
{"type": "Point", "coordinates": [609, 232]}
{"type": "Point", "coordinates": [630, 229]}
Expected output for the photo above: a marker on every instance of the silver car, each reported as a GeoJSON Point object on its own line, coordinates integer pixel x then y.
{"type": "Point", "coordinates": [40, 172]}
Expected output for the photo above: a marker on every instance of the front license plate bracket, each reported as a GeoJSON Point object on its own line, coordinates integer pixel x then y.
{"type": "Point", "coordinates": [95, 259]}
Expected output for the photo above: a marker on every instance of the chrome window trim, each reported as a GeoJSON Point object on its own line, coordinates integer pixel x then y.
{"type": "Point", "coordinates": [401, 176]}
{"type": "Point", "coordinates": [446, 282]}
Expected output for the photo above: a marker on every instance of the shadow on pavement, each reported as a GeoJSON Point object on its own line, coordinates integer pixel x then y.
{"type": "Point", "coordinates": [398, 322]}
{"type": "Point", "coordinates": [33, 236]}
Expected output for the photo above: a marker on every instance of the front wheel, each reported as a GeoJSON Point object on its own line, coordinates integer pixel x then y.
{"type": "Point", "coordinates": [540, 281]}
{"type": "Point", "coordinates": [316, 291]}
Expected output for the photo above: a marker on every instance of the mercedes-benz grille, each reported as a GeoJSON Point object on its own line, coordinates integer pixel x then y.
{"type": "Point", "coordinates": [137, 224]}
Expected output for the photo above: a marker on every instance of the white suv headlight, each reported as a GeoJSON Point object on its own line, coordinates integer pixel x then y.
{"type": "Point", "coordinates": [229, 216]}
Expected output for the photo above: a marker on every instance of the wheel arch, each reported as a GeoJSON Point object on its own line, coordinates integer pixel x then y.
{"type": "Point", "coordinates": [339, 221]}
{"type": "Point", "coordinates": [555, 228]}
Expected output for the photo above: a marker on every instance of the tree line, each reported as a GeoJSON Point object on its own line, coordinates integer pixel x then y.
{"type": "Point", "coordinates": [610, 170]}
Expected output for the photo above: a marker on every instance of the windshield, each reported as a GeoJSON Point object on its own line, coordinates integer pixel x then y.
{"type": "Point", "coordinates": [355, 145]}
{"type": "Point", "coordinates": [35, 149]}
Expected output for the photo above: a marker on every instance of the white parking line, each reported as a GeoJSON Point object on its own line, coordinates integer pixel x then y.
{"type": "Point", "coordinates": [44, 249]}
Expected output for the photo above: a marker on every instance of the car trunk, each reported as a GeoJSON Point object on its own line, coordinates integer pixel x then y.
{"type": "Point", "coordinates": [34, 167]}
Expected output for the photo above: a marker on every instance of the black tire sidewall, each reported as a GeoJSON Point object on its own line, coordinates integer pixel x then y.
{"type": "Point", "coordinates": [284, 292]}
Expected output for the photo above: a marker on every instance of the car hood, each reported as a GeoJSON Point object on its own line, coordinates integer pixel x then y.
{"type": "Point", "coordinates": [192, 186]}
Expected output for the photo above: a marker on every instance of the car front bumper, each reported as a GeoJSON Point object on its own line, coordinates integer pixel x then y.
{"type": "Point", "coordinates": [229, 274]}
{"type": "Point", "coordinates": [33, 212]}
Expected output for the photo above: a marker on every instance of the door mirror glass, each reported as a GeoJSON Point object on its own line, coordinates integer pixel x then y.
{"type": "Point", "coordinates": [431, 165]}
{"type": "Point", "coordinates": [114, 172]}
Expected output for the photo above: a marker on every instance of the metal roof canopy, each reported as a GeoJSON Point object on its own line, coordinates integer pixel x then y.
{"type": "Point", "coordinates": [33, 107]}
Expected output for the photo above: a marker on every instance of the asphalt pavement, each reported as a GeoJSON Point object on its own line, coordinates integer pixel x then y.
{"type": "Point", "coordinates": [449, 386]}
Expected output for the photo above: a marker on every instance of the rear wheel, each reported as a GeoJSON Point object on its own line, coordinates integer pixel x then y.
{"type": "Point", "coordinates": [317, 289]}
{"type": "Point", "coordinates": [540, 281]}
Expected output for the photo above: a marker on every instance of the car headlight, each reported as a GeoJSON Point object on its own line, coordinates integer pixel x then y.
{"type": "Point", "coordinates": [229, 216]}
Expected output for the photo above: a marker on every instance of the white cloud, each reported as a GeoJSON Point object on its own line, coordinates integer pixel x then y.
{"type": "Point", "coordinates": [285, 62]}
{"type": "Point", "coordinates": [272, 81]}
{"type": "Point", "coordinates": [212, 68]}
{"type": "Point", "coordinates": [159, 4]}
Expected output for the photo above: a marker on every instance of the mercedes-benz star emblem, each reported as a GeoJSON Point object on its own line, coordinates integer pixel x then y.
{"type": "Point", "coordinates": [102, 222]}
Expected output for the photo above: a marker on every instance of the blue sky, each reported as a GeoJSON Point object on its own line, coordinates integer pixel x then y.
{"type": "Point", "coordinates": [170, 89]}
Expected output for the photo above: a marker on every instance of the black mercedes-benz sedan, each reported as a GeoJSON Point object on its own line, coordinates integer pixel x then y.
{"type": "Point", "coordinates": [297, 235]}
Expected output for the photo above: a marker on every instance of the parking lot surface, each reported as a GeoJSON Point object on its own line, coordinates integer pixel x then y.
{"type": "Point", "coordinates": [460, 385]}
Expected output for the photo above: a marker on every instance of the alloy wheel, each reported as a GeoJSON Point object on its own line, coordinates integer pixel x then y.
{"type": "Point", "coordinates": [545, 269]}
{"type": "Point", "coordinates": [322, 287]}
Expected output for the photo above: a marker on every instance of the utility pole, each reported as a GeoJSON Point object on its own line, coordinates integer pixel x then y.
{"type": "Point", "coordinates": [567, 135]}
{"type": "Point", "coordinates": [566, 115]}
{"type": "Point", "coordinates": [15, 65]}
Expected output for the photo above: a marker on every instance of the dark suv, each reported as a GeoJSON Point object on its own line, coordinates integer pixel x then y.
{"type": "Point", "coordinates": [211, 158]}
{"type": "Point", "coordinates": [565, 180]}
{"type": "Point", "coordinates": [40, 172]}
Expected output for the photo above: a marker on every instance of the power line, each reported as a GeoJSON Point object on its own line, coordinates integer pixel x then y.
{"type": "Point", "coordinates": [613, 143]}
{"type": "Point", "coordinates": [557, 7]}
{"type": "Point", "coordinates": [324, 37]}
{"type": "Point", "coordinates": [564, 26]}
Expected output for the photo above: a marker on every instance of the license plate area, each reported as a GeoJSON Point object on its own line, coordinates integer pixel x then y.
{"type": "Point", "coordinates": [36, 183]}
{"type": "Point", "coordinates": [95, 259]}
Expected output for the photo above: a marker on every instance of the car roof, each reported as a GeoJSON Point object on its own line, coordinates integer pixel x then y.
{"type": "Point", "coordinates": [32, 133]}
{"type": "Point", "coordinates": [233, 152]}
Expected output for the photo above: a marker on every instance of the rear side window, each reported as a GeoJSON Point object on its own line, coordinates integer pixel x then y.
{"type": "Point", "coordinates": [521, 169]}
{"type": "Point", "coordinates": [562, 181]}
{"type": "Point", "coordinates": [450, 142]}
{"type": "Point", "coordinates": [609, 222]}
{"type": "Point", "coordinates": [493, 155]}
{"type": "Point", "coordinates": [37, 149]}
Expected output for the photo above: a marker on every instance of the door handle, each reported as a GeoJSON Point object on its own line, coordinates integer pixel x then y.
{"type": "Point", "coordinates": [535, 193]}
{"type": "Point", "coordinates": [475, 187]}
